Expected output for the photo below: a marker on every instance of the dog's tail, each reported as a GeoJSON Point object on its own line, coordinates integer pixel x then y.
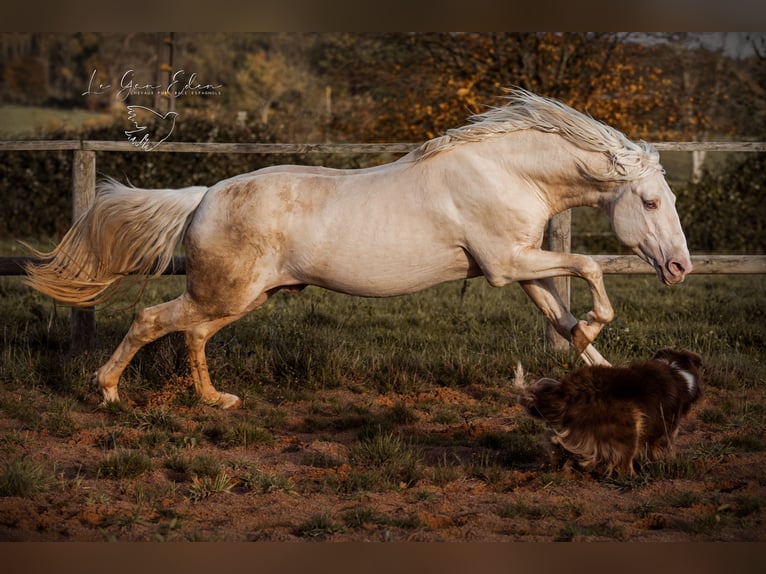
{"type": "Point", "coordinates": [525, 394]}
{"type": "Point", "coordinates": [518, 380]}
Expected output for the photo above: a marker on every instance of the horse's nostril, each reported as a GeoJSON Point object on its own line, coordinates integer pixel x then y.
{"type": "Point", "coordinates": [676, 268]}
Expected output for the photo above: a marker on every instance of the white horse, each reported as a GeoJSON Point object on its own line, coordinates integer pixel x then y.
{"type": "Point", "coordinates": [472, 202]}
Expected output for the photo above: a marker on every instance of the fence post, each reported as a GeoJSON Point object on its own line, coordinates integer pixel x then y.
{"type": "Point", "coordinates": [559, 238]}
{"type": "Point", "coordinates": [83, 321]}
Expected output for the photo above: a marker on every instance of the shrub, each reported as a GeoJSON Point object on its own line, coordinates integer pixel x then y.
{"type": "Point", "coordinates": [36, 186]}
{"type": "Point", "coordinates": [725, 212]}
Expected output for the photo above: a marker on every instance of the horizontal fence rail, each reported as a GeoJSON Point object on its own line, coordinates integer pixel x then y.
{"type": "Point", "coordinates": [301, 148]}
{"type": "Point", "coordinates": [610, 265]}
{"type": "Point", "coordinates": [559, 231]}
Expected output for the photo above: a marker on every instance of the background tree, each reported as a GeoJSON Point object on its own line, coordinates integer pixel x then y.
{"type": "Point", "coordinates": [419, 85]}
{"type": "Point", "coordinates": [410, 86]}
{"type": "Point", "coordinates": [714, 94]}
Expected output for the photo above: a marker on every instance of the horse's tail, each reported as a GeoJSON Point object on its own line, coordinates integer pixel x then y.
{"type": "Point", "coordinates": [126, 231]}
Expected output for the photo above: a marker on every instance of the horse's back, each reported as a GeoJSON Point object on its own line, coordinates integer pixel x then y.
{"type": "Point", "coordinates": [369, 232]}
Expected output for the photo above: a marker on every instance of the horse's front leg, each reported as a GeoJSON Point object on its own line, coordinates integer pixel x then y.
{"type": "Point", "coordinates": [537, 264]}
{"type": "Point", "coordinates": [544, 294]}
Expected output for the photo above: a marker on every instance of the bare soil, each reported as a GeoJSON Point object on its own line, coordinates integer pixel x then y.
{"type": "Point", "coordinates": [306, 481]}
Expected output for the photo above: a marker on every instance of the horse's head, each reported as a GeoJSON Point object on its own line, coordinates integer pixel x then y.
{"type": "Point", "coordinates": [644, 218]}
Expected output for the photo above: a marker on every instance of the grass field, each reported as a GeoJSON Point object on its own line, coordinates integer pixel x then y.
{"type": "Point", "coordinates": [27, 121]}
{"type": "Point", "coordinates": [372, 420]}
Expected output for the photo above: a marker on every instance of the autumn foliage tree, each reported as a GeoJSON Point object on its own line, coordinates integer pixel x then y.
{"type": "Point", "coordinates": [422, 84]}
{"type": "Point", "coordinates": [406, 86]}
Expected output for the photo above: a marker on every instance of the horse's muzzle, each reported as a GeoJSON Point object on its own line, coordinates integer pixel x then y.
{"type": "Point", "coordinates": [675, 271]}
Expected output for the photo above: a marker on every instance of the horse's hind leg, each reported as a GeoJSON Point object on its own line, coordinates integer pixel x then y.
{"type": "Point", "coordinates": [196, 339]}
{"type": "Point", "coordinates": [150, 324]}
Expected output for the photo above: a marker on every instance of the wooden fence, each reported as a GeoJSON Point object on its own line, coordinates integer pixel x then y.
{"type": "Point", "coordinates": [559, 229]}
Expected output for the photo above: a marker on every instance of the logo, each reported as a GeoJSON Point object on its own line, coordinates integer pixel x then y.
{"type": "Point", "coordinates": [149, 127]}
{"type": "Point", "coordinates": [140, 117]}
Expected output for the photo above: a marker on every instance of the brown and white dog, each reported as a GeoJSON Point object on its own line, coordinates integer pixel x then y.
{"type": "Point", "coordinates": [609, 416]}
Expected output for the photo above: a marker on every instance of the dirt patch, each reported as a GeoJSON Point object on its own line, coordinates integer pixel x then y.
{"type": "Point", "coordinates": [346, 466]}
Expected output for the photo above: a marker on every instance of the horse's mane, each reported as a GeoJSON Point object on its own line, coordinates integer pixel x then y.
{"type": "Point", "coordinates": [627, 160]}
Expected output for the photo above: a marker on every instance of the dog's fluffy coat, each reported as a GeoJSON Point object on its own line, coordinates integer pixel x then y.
{"type": "Point", "coordinates": [608, 416]}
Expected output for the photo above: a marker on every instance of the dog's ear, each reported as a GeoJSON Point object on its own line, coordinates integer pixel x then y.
{"type": "Point", "coordinates": [694, 358]}
{"type": "Point", "coordinates": [683, 358]}
{"type": "Point", "coordinates": [662, 355]}
{"type": "Point", "coordinates": [687, 359]}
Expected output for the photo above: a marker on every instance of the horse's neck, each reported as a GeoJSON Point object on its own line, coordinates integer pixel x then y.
{"type": "Point", "coordinates": [580, 193]}
{"type": "Point", "coordinates": [552, 165]}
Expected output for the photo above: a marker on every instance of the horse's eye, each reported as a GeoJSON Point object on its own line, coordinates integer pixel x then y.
{"type": "Point", "coordinates": [651, 204]}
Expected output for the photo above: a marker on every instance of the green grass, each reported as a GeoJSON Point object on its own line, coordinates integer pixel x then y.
{"type": "Point", "coordinates": [415, 389]}
{"type": "Point", "coordinates": [60, 420]}
{"type": "Point", "coordinates": [156, 418]}
{"type": "Point", "coordinates": [194, 466]}
{"type": "Point", "coordinates": [24, 478]}
{"type": "Point", "coordinates": [243, 433]}
{"type": "Point", "coordinates": [124, 464]}
{"type": "Point", "coordinates": [318, 526]}
{"type": "Point", "coordinates": [449, 336]}
{"type": "Point", "coordinates": [204, 486]}
{"type": "Point", "coordinates": [387, 460]}
{"type": "Point", "coordinates": [26, 121]}
{"type": "Point", "coordinates": [264, 482]}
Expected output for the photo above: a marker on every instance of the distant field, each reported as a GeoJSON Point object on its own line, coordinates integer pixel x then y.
{"type": "Point", "coordinates": [25, 121]}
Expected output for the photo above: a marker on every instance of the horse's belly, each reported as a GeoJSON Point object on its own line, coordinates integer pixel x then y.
{"type": "Point", "coordinates": [387, 275]}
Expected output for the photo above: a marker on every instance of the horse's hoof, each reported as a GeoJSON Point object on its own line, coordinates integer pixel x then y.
{"type": "Point", "coordinates": [580, 340]}
{"type": "Point", "coordinates": [227, 401]}
{"type": "Point", "coordinates": [110, 396]}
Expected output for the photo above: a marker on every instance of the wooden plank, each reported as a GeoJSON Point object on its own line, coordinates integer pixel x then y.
{"type": "Point", "coordinates": [711, 146]}
{"type": "Point", "coordinates": [40, 145]}
{"type": "Point", "coordinates": [298, 148]}
{"type": "Point", "coordinates": [254, 148]}
{"type": "Point", "coordinates": [14, 266]}
{"type": "Point", "coordinates": [702, 264]}
{"type": "Point", "coordinates": [559, 238]}
{"type": "Point", "coordinates": [610, 264]}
